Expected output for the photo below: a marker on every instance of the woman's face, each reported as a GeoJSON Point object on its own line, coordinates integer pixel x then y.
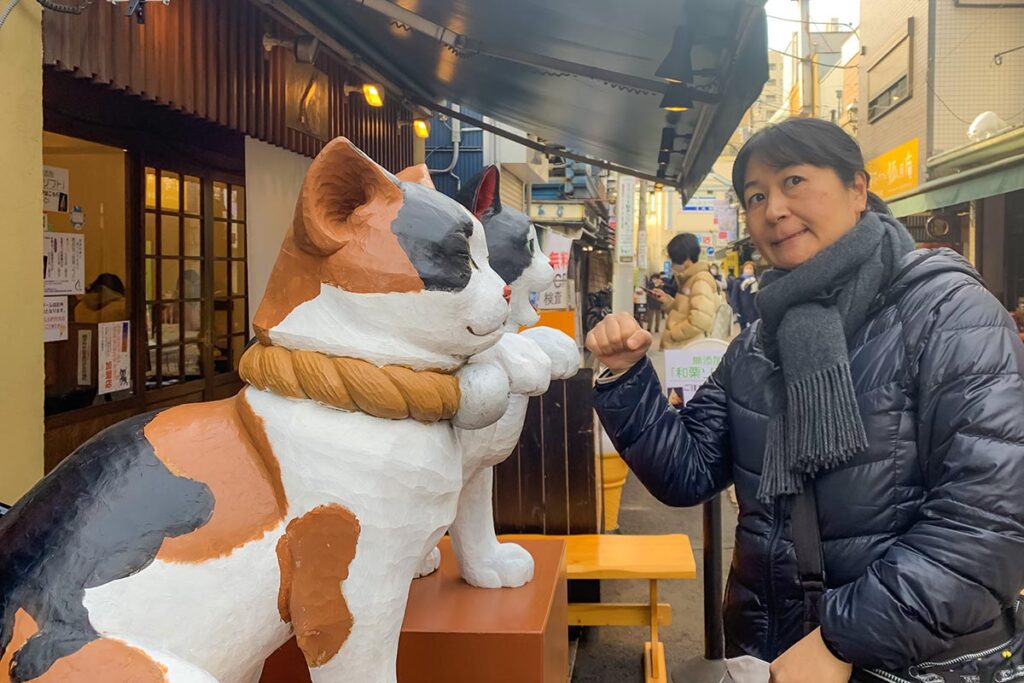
{"type": "Point", "coordinates": [748, 271]}
{"type": "Point", "coordinates": [796, 211]}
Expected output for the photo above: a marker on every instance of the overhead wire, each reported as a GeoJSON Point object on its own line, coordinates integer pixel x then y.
{"type": "Point", "coordinates": [853, 29]}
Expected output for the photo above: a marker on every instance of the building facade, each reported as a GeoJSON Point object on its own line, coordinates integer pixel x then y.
{"type": "Point", "coordinates": [941, 123]}
{"type": "Point", "coordinates": [172, 153]}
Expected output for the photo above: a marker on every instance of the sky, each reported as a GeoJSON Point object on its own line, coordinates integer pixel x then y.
{"type": "Point", "coordinates": [780, 31]}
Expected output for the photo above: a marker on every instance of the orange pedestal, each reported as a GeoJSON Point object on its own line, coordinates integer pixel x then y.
{"type": "Point", "coordinates": [456, 633]}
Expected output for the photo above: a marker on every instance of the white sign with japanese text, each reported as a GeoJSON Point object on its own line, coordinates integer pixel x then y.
{"type": "Point", "coordinates": [558, 248]}
{"type": "Point", "coordinates": [686, 369]}
{"type": "Point", "coordinates": [624, 220]}
{"type": "Point", "coordinates": [55, 318]}
{"type": "Point", "coordinates": [63, 263]}
{"type": "Point", "coordinates": [55, 189]}
{"type": "Point", "coordinates": [114, 346]}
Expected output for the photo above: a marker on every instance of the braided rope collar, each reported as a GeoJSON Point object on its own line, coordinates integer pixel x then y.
{"type": "Point", "coordinates": [393, 392]}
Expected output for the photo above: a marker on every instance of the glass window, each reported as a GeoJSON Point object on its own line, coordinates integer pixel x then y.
{"type": "Point", "coordinates": [888, 98]}
{"type": "Point", "coordinates": [88, 217]}
{"type": "Point", "coordinates": [191, 276]}
{"type": "Point", "coordinates": [184, 273]}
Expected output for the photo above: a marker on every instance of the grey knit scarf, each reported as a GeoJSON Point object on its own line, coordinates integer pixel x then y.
{"type": "Point", "coordinates": [807, 316]}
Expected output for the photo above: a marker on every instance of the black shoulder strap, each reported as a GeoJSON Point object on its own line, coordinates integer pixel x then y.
{"type": "Point", "coordinates": [809, 559]}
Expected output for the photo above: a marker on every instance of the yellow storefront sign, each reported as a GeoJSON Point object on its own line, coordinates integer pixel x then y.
{"type": "Point", "coordinates": [895, 171]}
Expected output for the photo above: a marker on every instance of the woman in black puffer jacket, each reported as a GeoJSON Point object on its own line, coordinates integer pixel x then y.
{"type": "Point", "coordinates": [889, 380]}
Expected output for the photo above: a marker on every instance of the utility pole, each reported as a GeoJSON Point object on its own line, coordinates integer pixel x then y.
{"type": "Point", "coordinates": [625, 254]}
{"type": "Point", "coordinates": [806, 67]}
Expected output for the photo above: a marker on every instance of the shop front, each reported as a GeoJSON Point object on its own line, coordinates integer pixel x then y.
{"type": "Point", "coordinates": [147, 236]}
{"type": "Point", "coordinates": [974, 204]}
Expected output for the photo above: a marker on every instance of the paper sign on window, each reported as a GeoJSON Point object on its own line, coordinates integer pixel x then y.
{"type": "Point", "coordinates": [55, 318]}
{"type": "Point", "coordinates": [114, 347]}
{"type": "Point", "coordinates": [63, 263]}
{"type": "Point", "coordinates": [55, 189]}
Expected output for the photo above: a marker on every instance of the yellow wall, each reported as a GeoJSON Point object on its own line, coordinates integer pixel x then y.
{"type": "Point", "coordinates": [21, 197]}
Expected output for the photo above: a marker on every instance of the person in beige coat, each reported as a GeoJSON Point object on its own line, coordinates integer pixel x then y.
{"type": "Point", "coordinates": [691, 312]}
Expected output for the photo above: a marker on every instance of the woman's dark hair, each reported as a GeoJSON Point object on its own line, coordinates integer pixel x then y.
{"type": "Point", "coordinates": [684, 247]}
{"type": "Point", "coordinates": [108, 280]}
{"type": "Point", "coordinates": [805, 141]}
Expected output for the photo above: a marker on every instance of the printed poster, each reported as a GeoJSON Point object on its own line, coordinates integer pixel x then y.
{"type": "Point", "coordinates": [558, 249]}
{"type": "Point", "coordinates": [63, 263]}
{"type": "Point", "coordinates": [686, 369]}
{"type": "Point", "coordinates": [114, 346]}
{"type": "Point", "coordinates": [55, 319]}
{"type": "Point", "coordinates": [55, 189]}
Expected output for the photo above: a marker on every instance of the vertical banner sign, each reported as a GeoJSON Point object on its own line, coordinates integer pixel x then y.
{"type": "Point", "coordinates": [63, 263]}
{"type": "Point", "coordinates": [726, 220]}
{"type": "Point", "coordinates": [55, 318]}
{"type": "Point", "coordinates": [641, 251]}
{"type": "Point", "coordinates": [114, 357]}
{"type": "Point", "coordinates": [686, 369]}
{"type": "Point", "coordinates": [558, 248]}
{"type": "Point", "coordinates": [55, 189]}
{"type": "Point", "coordinates": [625, 219]}
{"type": "Point", "coordinates": [84, 358]}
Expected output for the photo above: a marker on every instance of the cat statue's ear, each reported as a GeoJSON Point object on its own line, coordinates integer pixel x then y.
{"type": "Point", "coordinates": [482, 193]}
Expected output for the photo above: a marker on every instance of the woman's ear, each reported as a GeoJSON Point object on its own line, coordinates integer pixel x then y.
{"type": "Point", "coordinates": [860, 191]}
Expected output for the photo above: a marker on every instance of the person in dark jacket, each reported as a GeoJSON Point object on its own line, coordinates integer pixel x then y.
{"type": "Point", "coordinates": [746, 291]}
{"type": "Point", "coordinates": [907, 378]}
{"type": "Point", "coordinates": [731, 282]}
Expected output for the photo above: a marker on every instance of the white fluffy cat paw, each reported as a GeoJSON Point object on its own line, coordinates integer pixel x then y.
{"type": "Point", "coordinates": [429, 564]}
{"type": "Point", "coordinates": [509, 566]}
{"type": "Point", "coordinates": [485, 390]}
{"type": "Point", "coordinates": [559, 347]}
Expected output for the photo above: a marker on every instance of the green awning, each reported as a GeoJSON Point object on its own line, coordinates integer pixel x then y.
{"type": "Point", "coordinates": [999, 177]}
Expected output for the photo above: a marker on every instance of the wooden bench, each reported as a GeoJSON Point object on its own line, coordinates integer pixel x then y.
{"type": "Point", "coordinates": [648, 558]}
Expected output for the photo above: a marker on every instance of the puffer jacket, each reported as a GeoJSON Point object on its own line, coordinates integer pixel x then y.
{"type": "Point", "coordinates": [922, 533]}
{"type": "Point", "coordinates": [692, 312]}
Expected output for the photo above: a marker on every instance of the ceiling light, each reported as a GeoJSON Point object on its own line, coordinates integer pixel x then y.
{"type": "Point", "coordinates": [677, 66]}
{"type": "Point", "coordinates": [677, 98]}
{"type": "Point", "coordinates": [669, 137]}
{"type": "Point", "coordinates": [372, 93]}
{"type": "Point", "coordinates": [304, 47]}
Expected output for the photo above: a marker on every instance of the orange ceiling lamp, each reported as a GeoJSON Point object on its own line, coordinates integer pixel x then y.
{"type": "Point", "coordinates": [372, 93]}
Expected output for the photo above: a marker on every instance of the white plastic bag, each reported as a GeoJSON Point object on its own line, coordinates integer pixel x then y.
{"type": "Point", "coordinates": [747, 669]}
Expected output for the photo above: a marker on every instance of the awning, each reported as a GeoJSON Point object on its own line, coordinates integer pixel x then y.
{"type": "Point", "coordinates": [990, 180]}
{"type": "Point", "coordinates": [579, 75]}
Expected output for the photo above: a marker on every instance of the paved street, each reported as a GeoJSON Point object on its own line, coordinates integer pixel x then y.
{"type": "Point", "coordinates": [614, 654]}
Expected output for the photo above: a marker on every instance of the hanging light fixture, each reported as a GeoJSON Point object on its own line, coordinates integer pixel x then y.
{"type": "Point", "coordinates": [372, 93]}
{"type": "Point", "coordinates": [677, 66]}
{"type": "Point", "coordinates": [304, 47]}
{"type": "Point", "coordinates": [669, 137]}
{"type": "Point", "coordinates": [677, 98]}
{"type": "Point", "coordinates": [421, 128]}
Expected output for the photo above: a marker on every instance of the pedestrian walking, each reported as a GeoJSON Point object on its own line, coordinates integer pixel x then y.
{"type": "Point", "coordinates": [746, 291]}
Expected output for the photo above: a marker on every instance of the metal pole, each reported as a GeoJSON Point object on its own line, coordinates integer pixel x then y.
{"type": "Point", "coordinates": [806, 68]}
{"type": "Point", "coordinates": [711, 667]}
{"type": "Point", "coordinates": [714, 636]}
